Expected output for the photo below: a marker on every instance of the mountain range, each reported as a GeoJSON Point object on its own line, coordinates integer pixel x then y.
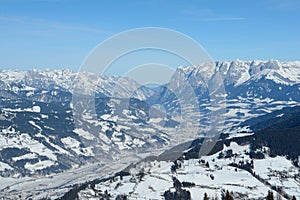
{"type": "Point", "coordinates": [54, 121]}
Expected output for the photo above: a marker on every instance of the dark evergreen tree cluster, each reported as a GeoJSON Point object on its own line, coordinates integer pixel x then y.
{"type": "Point", "coordinates": [248, 166]}
{"type": "Point", "coordinates": [205, 196]}
{"type": "Point", "coordinates": [179, 194]}
{"type": "Point", "coordinates": [294, 198]}
{"type": "Point", "coordinates": [270, 195]}
{"type": "Point", "coordinates": [177, 164]}
{"type": "Point", "coordinates": [121, 197]}
{"type": "Point", "coordinates": [227, 195]}
{"type": "Point", "coordinates": [188, 184]}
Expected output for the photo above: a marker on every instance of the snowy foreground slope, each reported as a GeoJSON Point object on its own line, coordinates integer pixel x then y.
{"type": "Point", "coordinates": [210, 174]}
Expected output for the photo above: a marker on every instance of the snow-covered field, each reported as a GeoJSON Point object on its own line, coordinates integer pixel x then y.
{"type": "Point", "coordinates": [212, 175]}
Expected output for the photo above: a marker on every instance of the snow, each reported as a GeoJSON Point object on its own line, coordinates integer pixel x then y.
{"type": "Point", "coordinates": [23, 140]}
{"type": "Point", "coordinates": [70, 142]}
{"type": "Point", "coordinates": [39, 165]}
{"type": "Point", "coordinates": [35, 109]}
{"type": "Point", "coordinates": [86, 82]}
{"type": "Point", "coordinates": [237, 72]}
{"type": "Point", "coordinates": [244, 77]}
{"type": "Point", "coordinates": [239, 132]}
{"type": "Point", "coordinates": [59, 149]}
{"type": "Point", "coordinates": [158, 177]}
{"type": "Point", "coordinates": [106, 116]}
{"type": "Point", "coordinates": [84, 134]}
{"type": "Point", "coordinates": [74, 145]}
{"type": "Point", "coordinates": [264, 166]}
{"type": "Point", "coordinates": [28, 94]}
{"type": "Point", "coordinates": [127, 113]}
{"type": "Point", "coordinates": [4, 166]}
{"type": "Point", "coordinates": [44, 116]}
{"type": "Point", "coordinates": [34, 124]}
{"type": "Point", "coordinates": [280, 115]}
{"type": "Point", "coordinates": [104, 138]}
{"type": "Point", "coordinates": [26, 156]}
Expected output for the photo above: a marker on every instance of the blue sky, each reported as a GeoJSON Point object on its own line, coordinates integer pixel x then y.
{"type": "Point", "coordinates": [60, 33]}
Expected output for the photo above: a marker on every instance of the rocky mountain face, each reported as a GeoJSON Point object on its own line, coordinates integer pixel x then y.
{"type": "Point", "coordinates": [251, 88]}
{"type": "Point", "coordinates": [43, 130]}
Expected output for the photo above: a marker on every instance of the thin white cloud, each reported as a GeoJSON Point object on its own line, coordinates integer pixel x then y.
{"type": "Point", "coordinates": [10, 19]}
{"type": "Point", "coordinates": [215, 19]}
{"type": "Point", "coordinates": [207, 15]}
{"type": "Point", "coordinates": [285, 6]}
{"type": "Point", "coordinates": [194, 12]}
{"type": "Point", "coordinates": [51, 24]}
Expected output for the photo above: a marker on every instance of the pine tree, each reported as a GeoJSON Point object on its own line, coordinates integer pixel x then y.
{"type": "Point", "coordinates": [270, 195]}
{"type": "Point", "coordinates": [207, 164]}
{"type": "Point", "coordinates": [228, 196]}
{"type": "Point", "coordinates": [294, 198]}
{"type": "Point", "coordinates": [205, 196]}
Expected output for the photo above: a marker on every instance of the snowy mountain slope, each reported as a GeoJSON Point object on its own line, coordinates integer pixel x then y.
{"type": "Point", "coordinates": [198, 178]}
{"type": "Point", "coordinates": [251, 88]}
{"type": "Point", "coordinates": [238, 72]}
{"type": "Point", "coordinates": [36, 107]}
{"type": "Point", "coordinates": [41, 138]}
{"type": "Point", "coordinates": [248, 166]}
{"type": "Point", "coordinates": [33, 81]}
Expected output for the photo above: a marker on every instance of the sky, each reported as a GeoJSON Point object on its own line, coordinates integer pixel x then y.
{"type": "Point", "coordinates": [57, 34]}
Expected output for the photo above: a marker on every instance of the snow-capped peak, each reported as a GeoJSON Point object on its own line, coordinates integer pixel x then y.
{"type": "Point", "coordinates": [238, 72]}
{"type": "Point", "coordinates": [83, 82]}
